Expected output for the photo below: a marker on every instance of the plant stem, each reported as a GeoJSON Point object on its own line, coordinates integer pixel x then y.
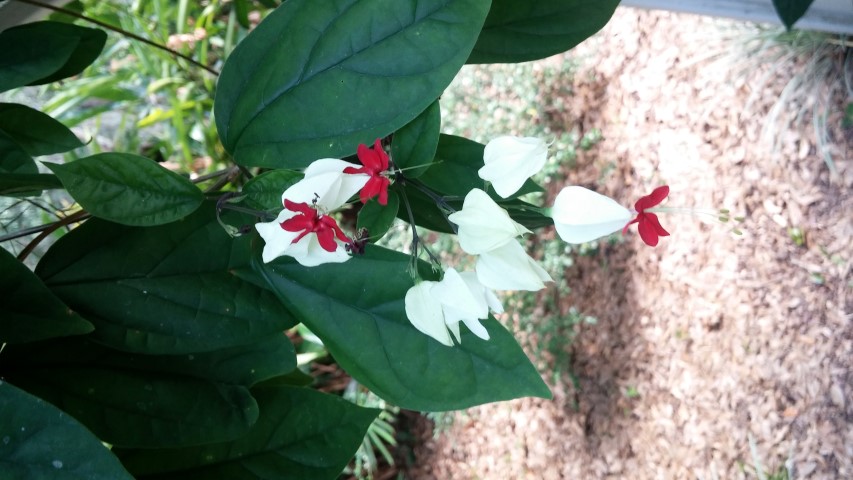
{"type": "Point", "coordinates": [119, 31]}
{"type": "Point", "coordinates": [73, 218]}
{"type": "Point", "coordinates": [415, 238]}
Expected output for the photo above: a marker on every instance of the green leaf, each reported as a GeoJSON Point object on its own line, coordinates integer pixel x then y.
{"type": "Point", "coordinates": [518, 31]}
{"type": "Point", "coordinates": [300, 434]}
{"type": "Point", "coordinates": [454, 170]}
{"type": "Point", "coordinates": [41, 442]}
{"type": "Point", "coordinates": [172, 289]}
{"type": "Point", "coordinates": [790, 11]}
{"type": "Point", "coordinates": [14, 184]}
{"type": "Point", "coordinates": [145, 410]}
{"type": "Point", "coordinates": [316, 79]}
{"type": "Point", "coordinates": [13, 158]}
{"type": "Point", "coordinates": [35, 132]}
{"type": "Point", "coordinates": [414, 145]}
{"type": "Point", "coordinates": [44, 52]}
{"type": "Point", "coordinates": [128, 189]}
{"type": "Point", "coordinates": [246, 365]}
{"type": "Point", "coordinates": [264, 191]}
{"type": "Point", "coordinates": [377, 219]}
{"type": "Point", "coordinates": [357, 309]}
{"type": "Point", "coordinates": [29, 310]}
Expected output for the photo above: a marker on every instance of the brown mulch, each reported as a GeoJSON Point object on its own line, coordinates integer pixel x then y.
{"type": "Point", "coordinates": [709, 339]}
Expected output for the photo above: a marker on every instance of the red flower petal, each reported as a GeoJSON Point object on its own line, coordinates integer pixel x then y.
{"type": "Point", "coordinates": [653, 199]}
{"type": "Point", "coordinates": [326, 237]}
{"type": "Point", "coordinates": [383, 191]}
{"type": "Point", "coordinates": [647, 232]}
{"type": "Point", "coordinates": [653, 220]}
{"type": "Point", "coordinates": [369, 158]}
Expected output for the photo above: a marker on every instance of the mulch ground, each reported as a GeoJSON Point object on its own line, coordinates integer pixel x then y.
{"type": "Point", "coordinates": [709, 339]}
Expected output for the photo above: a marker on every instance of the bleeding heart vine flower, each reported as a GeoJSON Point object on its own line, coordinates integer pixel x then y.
{"type": "Point", "coordinates": [304, 230]}
{"type": "Point", "coordinates": [510, 161]}
{"type": "Point", "coordinates": [483, 225]}
{"type": "Point", "coordinates": [647, 222]}
{"type": "Point", "coordinates": [581, 215]}
{"type": "Point", "coordinates": [375, 165]}
{"type": "Point", "coordinates": [436, 308]}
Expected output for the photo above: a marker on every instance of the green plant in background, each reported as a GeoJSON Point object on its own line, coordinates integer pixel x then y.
{"type": "Point", "coordinates": [158, 324]}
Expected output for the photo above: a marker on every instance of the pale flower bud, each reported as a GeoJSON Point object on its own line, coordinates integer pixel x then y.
{"type": "Point", "coordinates": [510, 161]}
{"type": "Point", "coordinates": [581, 215]}
{"type": "Point", "coordinates": [483, 224]}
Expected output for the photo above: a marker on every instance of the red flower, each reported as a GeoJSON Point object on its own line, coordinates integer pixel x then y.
{"type": "Point", "coordinates": [374, 161]}
{"type": "Point", "coordinates": [647, 223]}
{"type": "Point", "coordinates": [308, 221]}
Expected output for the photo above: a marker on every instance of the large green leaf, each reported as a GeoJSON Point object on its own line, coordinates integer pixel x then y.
{"type": "Point", "coordinates": [13, 158]}
{"type": "Point", "coordinates": [41, 442]}
{"type": "Point", "coordinates": [128, 189]}
{"type": "Point", "coordinates": [357, 309]}
{"type": "Point", "coordinates": [171, 289]}
{"type": "Point", "coordinates": [145, 410]}
{"type": "Point", "coordinates": [27, 183]}
{"type": "Point", "coordinates": [300, 434]}
{"type": "Point", "coordinates": [244, 365]}
{"type": "Point", "coordinates": [29, 311]}
{"type": "Point", "coordinates": [414, 145]}
{"type": "Point", "coordinates": [36, 132]}
{"type": "Point", "coordinates": [790, 11]}
{"type": "Point", "coordinates": [264, 191]}
{"type": "Point", "coordinates": [454, 170]}
{"type": "Point", "coordinates": [315, 79]}
{"type": "Point", "coordinates": [43, 52]}
{"type": "Point", "coordinates": [520, 31]}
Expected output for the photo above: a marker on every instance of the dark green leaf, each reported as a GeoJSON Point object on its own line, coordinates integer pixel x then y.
{"type": "Point", "coordinates": [245, 365]}
{"type": "Point", "coordinates": [145, 410]}
{"type": "Point", "coordinates": [357, 309]}
{"type": "Point", "coordinates": [294, 378]}
{"type": "Point", "coordinates": [264, 191]}
{"type": "Point", "coordinates": [44, 52]}
{"type": "Point", "coordinates": [75, 6]}
{"type": "Point", "coordinates": [300, 434]}
{"type": "Point", "coordinates": [518, 31]}
{"type": "Point", "coordinates": [454, 170]}
{"type": "Point", "coordinates": [128, 189]}
{"type": "Point", "coordinates": [414, 145]}
{"type": "Point", "coordinates": [316, 79]}
{"type": "Point", "coordinates": [13, 158]}
{"type": "Point", "coordinates": [36, 132]}
{"type": "Point", "coordinates": [27, 183]}
{"type": "Point", "coordinates": [41, 442]}
{"type": "Point", "coordinates": [377, 219]}
{"type": "Point", "coordinates": [29, 310]}
{"type": "Point", "coordinates": [172, 289]}
{"type": "Point", "coordinates": [790, 11]}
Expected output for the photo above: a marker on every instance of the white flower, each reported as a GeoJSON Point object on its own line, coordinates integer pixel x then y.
{"type": "Point", "coordinates": [510, 161]}
{"type": "Point", "coordinates": [483, 224]}
{"type": "Point", "coordinates": [464, 299]}
{"type": "Point", "coordinates": [326, 182]}
{"type": "Point", "coordinates": [581, 215]}
{"type": "Point", "coordinates": [436, 308]}
{"type": "Point", "coordinates": [425, 312]}
{"type": "Point", "coordinates": [509, 268]}
{"type": "Point", "coordinates": [303, 230]}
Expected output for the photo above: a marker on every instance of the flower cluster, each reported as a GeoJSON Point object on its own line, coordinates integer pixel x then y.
{"type": "Point", "coordinates": [305, 230]}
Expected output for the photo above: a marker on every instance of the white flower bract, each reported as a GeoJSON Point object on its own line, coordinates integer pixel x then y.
{"type": "Point", "coordinates": [581, 215]}
{"type": "Point", "coordinates": [510, 268]}
{"type": "Point", "coordinates": [510, 161]}
{"type": "Point", "coordinates": [483, 224]}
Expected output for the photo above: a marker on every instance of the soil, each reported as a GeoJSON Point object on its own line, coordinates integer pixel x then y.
{"type": "Point", "coordinates": [710, 342]}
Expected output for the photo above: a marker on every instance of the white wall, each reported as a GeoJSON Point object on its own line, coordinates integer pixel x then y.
{"type": "Point", "coordinates": [824, 15]}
